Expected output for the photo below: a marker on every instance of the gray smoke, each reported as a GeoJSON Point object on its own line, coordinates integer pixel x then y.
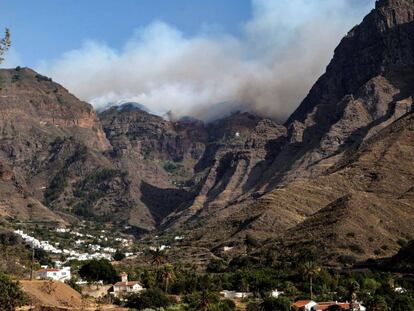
{"type": "Point", "coordinates": [268, 70]}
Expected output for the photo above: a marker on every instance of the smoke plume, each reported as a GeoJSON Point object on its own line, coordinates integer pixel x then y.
{"type": "Point", "coordinates": [268, 69]}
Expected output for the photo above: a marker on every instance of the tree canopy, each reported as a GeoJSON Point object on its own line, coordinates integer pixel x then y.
{"type": "Point", "coordinates": [98, 270]}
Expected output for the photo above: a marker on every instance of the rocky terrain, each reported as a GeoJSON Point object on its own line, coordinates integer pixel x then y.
{"type": "Point", "coordinates": [339, 173]}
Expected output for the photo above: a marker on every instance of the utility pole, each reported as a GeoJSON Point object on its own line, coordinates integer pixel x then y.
{"type": "Point", "coordinates": [32, 267]}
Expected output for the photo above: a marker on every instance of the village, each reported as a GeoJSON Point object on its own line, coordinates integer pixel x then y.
{"type": "Point", "coordinates": [65, 245]}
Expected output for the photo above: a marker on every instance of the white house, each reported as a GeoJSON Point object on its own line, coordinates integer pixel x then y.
{"type": "Point", "coordinates": [126, 287]}
{"type": "Point", "coordinates": [54, 274]}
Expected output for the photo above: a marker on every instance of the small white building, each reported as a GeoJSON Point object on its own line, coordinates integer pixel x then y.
{"type": "Point", "coordinates": [126, 287]}
{"type": "Point", "coordinates": [232, 295]}
{"type": "Point", "coordinates": [275, 293]}
{"type": "Point", "coordinates": [61, 275]}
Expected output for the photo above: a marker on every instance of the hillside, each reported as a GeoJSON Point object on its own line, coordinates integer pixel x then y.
{"type": "Point", "coordinates": [52, 294]}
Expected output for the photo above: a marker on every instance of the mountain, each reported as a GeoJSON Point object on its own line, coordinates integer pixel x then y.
{"type": "Point", "coordinates": [339, 174]}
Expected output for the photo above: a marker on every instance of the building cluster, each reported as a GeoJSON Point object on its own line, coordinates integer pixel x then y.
{"type": "Point", "coordinates": [95, 251]}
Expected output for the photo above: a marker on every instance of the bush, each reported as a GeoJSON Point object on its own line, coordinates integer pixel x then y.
{"type": "Point", "coordinates": [356, 249]}
{"type": "Point", "coordinates": [11, 295]}
{"type": "Point", "coordinates": [72, 283]}
{"type": "Point", "coordinates": [347, 259]}
{"type": "Point", "coordinates": [170, 167]}
{"type": "Point", "coordinates": [151, 298]}
{"type": "Point", "coordinates": [118, 256]}
{"type": "Point", "coordinates": [280, 304]}
{"type": "Point", "coordinates": [402, 242]}
{"type": "Point", "coordinates": [226, 305]}
{"type": "Point", "coordinates": [253, 306]}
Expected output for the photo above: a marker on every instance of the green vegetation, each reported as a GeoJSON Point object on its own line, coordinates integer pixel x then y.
{"type": "Point", "coordinates": [41, 78]}
{"type": "Point", "coordinates": [16, 78]}
{"type": "Point", "coordinates": [118, 256]}
{"type": "Point", "coordinates": [281, 304]}
{"type": "Point", "coordinates": [60, 181]}
{"type": "Point", "coordinates": [170, 167]}
{"type": "Point", "coordinates": [11, 296]}
{"type": "Point", "coordinates": [300, 276]}
{"type": "Point", "coordinates": [151, 298]}
{"type": "Point", "coordinates": [15, 256]}
{"type": "Point", "coordinates": [99, 270]}
{"type": "Point", "coordinates": [94, 187]}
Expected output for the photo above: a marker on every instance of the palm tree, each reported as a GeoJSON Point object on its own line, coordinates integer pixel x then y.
{"type": "Point", "coordinates": [157, 256]}
{"type": "Point", "coordinates": [309, 269]}
{"type": "Point", "coordinates": [167, 275]}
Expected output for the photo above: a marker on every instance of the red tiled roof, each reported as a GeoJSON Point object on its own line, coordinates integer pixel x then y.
{"type": "Point", "coordinates": [129, 283]}
{"type": "Point", "coordinates": [301, 303]}
{"type": "Point", "coordinates": [326, 305]}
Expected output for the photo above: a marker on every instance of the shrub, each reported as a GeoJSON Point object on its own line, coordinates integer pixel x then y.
{"type": "Point", "coordinates": [40, 78]}
{"type": "Point", "coordinates": [226, 305]}
{"type": "Point", "coordinates": [356, 249]}
{"type": "Point", "coordinates": [377, 252]}
{"type": "Point", "coordinates": [11, 295]}
{"type": "Point", "coordinates": [402, 242]}
{"type": "Point", "coordinates": [347, 259]}
{"type": "Point", "coordinates": [170, 167]}
{"type": "Point", "coordinates": [151, 298]}
{"type": "Point", "coordinates": [280, 304]}
{"type": "Point", "coordinates": [118, 256]}
{"type": "Point", "coordinates": [253, 306]}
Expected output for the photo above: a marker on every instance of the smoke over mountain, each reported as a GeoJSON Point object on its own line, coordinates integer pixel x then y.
{"type": "Point", "coordinates": [268, 69]}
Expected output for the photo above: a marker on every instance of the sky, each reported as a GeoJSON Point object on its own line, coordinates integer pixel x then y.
{"type": "Point", "coordinates": [204, 58]}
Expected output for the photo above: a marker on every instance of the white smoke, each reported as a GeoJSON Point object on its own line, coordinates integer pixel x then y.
{"type": "Point", "coordinates": [11, 59]}
{"type": "Point", "coordinates": [269, 69]}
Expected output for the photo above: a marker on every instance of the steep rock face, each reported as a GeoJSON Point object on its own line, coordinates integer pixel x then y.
{"type": "Point", "coordinates": [237, 152]}
{"type": "Point", "coordinates": [186, 165]}
{"type": "Point", "coordinates": [48, 141]}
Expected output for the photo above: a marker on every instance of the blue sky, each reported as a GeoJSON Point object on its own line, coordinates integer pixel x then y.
{"type": "Point", "coordinates": [44, 29]}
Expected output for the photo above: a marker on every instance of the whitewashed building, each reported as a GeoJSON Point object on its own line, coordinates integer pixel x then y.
{"type": "Point", "coordinates": [54, 274]}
